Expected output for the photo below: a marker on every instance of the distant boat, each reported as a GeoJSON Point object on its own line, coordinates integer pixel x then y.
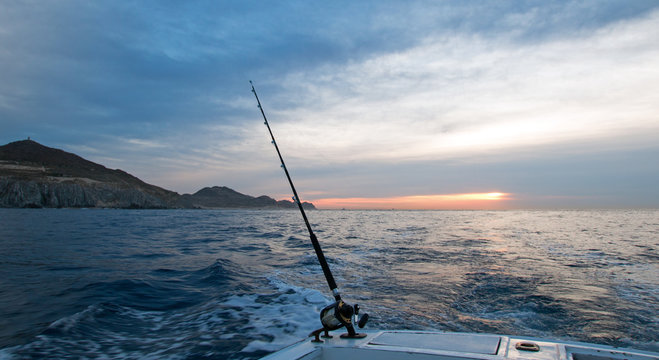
{"type": "Point", "coordinates": [428, 345]}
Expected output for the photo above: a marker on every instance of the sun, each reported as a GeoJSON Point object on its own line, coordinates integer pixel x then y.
{"type": "Point", "coordinates": [494, 196]}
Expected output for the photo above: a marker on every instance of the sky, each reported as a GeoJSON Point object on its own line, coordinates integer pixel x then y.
{"type": "Point", "coordinates": [374, 104]}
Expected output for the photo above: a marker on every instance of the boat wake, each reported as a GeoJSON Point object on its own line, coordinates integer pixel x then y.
{"type": "Point", "coordinates": [244, 325]}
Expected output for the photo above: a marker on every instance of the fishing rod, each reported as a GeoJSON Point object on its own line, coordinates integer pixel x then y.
{"type": "Point", "coordinates": [339, 313]}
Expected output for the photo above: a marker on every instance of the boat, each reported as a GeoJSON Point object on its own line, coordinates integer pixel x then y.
{"type": "Point", "coordinates": [431, 345]}
{"type": "Point", "coordinates": [419, 345]}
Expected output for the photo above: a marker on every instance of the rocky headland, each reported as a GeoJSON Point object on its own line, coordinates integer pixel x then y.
{"type": "Point", "coordinates": [36, 176]}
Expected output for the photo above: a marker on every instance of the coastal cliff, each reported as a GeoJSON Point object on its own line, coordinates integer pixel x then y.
{"type": "Point", "coordinates": [75, 193]}
{"type": "Point", "coordinates": [35, 176]}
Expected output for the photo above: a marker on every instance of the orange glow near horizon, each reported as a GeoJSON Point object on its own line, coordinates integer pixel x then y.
{"type": "Point", "coordinates": [473, 201]}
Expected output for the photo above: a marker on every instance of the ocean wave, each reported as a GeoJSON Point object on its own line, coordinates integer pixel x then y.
{"type": "Point", "coordinates": [250, 324]}
{"type": "Point", "coordinates": [243, 283]}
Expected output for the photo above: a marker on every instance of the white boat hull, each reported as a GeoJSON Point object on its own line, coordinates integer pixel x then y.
{"type": "Point", "coordinates": [423, 345]}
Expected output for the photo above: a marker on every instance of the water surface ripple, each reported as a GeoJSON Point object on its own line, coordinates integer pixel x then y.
{"type": "Point", "coordinates": [237, 284]}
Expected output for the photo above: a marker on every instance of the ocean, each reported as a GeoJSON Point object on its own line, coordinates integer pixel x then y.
{"type": "Point", "coordinates": [238, 284]}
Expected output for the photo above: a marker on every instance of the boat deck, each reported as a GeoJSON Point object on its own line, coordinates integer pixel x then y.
{"type": "Point", "coordinates": [422, 345]}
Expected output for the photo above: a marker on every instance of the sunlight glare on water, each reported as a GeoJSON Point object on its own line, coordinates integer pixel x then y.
{"type": "Point", "coordinates": [239, 284]}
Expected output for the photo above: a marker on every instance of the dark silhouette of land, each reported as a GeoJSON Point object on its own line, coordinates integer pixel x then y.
{"type": "Point", "coordinates": [33, 175]}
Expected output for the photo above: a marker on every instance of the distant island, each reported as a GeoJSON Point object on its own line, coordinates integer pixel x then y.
{"type": "Point", "coordinates": [36, 176]}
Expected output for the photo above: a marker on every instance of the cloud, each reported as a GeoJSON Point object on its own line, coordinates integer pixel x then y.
{"type": "Point", "coordinates": [387, 93]}
{"type": "Point", "coordinates": [461, 94]}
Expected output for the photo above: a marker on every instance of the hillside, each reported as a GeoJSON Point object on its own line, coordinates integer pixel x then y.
{"type": "Point", "coordinates": [33, 175]}
{"type": "Point", "coordinates": [224, 197]}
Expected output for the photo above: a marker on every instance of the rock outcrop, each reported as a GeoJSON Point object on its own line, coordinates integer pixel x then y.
{"type": "Point", "coordinates": [75, 193]}
{"type": "Point", "coordinates": [33, 175]}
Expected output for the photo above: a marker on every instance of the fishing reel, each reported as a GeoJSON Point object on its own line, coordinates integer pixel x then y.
{"type": "Point", "coordinates": [338, 315]}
